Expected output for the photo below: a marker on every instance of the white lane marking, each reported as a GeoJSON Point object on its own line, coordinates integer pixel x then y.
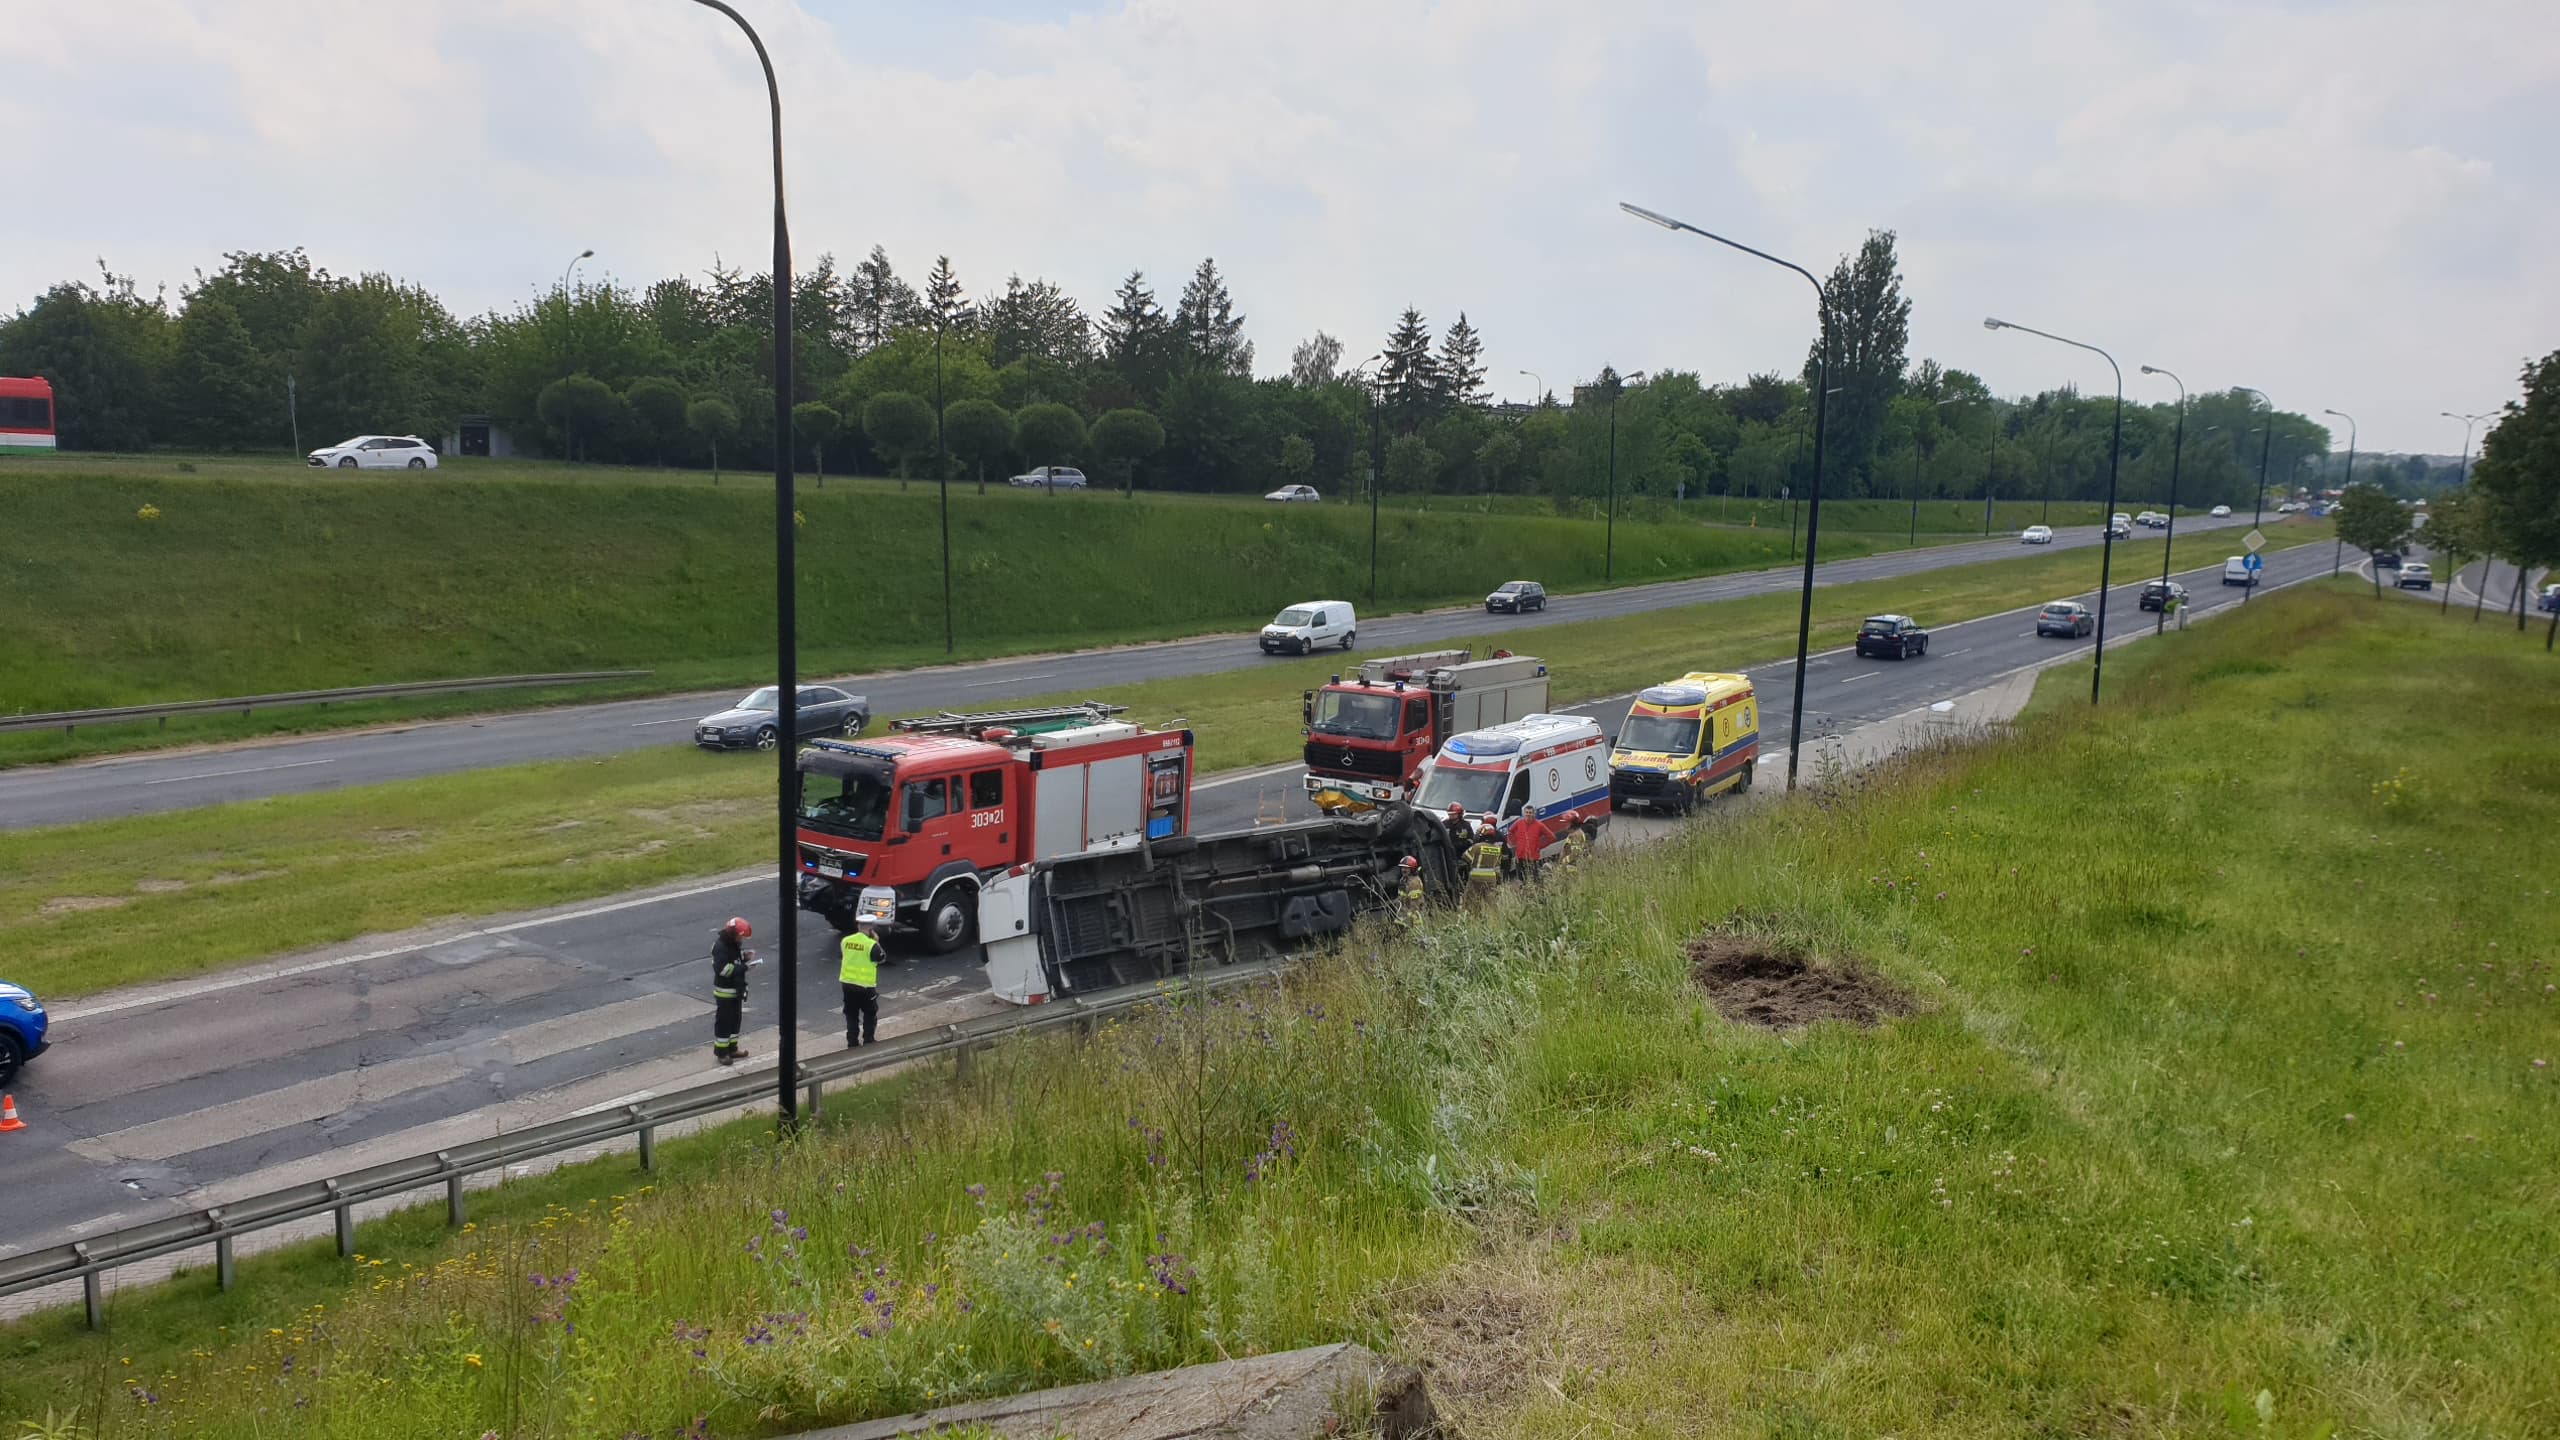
{"type": "Point", "coordinates": [1943, 654]}
{"type": "Point", "coordinates": [645, 724]}
{"type": "Point", "coordinates": [251, 770]}
{"type": "Point", "coordinates": [265, 977]}
{"type": "Point", "coordinates": [1010, 680]}
{"type": "Point", "coordinates": [1854, 679]}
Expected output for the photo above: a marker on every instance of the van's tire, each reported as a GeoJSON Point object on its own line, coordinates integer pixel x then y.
{"type": "Point", "coordinates": [1348, 636]}
{"type": "Point", "coordinates": [950, 919]}
{"type": "Point", "coordinates": [1742, 786]}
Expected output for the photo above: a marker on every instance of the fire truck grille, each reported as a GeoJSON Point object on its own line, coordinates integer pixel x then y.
{"type": "Point", "coordinates": [1335, 758]}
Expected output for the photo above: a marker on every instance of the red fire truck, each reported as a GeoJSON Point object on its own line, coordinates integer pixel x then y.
{"type": "Point", "coordinates": [1368, 736]}
{"type": "Point", "coordinates": [913, 821]}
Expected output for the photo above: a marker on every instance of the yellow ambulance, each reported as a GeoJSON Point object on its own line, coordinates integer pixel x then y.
{"type": "Point", "coordinates": [1685, 740]}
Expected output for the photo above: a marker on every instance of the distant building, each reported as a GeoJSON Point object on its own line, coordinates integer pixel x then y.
{"type": "Point", "coordinates": [479, 435]}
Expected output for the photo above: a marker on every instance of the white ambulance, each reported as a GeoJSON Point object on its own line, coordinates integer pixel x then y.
{"type": "Point", "coordinates": [1559, 763]}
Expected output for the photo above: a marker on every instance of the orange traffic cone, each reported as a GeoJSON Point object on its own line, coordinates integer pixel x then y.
{"type": "Point", "coordinates": [9, 1114]}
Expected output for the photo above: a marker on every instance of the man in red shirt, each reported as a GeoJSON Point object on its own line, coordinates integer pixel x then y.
{"type": "Point", "coordinates": [1529, 839]}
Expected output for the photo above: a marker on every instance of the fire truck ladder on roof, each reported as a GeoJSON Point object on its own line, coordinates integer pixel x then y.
{"type": "Point", "coordinates": [1022, 722]}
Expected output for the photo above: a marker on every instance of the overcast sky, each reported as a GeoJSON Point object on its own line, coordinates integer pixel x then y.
{"type": "Point", "coordinates": [2348, 205]}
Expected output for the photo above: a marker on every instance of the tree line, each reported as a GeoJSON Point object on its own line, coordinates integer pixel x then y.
{"type": "Point", "coordinates": [678, 372]}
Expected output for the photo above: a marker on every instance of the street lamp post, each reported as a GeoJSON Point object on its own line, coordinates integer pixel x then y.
{"type": "Point", "coordinates": [1609, 554]}
{"type": "Point", "coordinates": [2480, 598]}
{"type": "Point", "coordinates": [1377, 470]}
{"type": "Point", "coordinates": [2115, 448]}
{"type": "Point", "coordinates": [786, 619]}
{"type": "Point", "coordinates": [569, 325]}
{"type": "Point", "coordinates": [942, 474]}
{"type": "Point", "coordinates": [1914, 486]}
{"type": "Point", "coordinates": [2177, 452]}
{"type": "Point", "coordinates": [2258, 502]}
{"type": "Point", "coordinates": [1813, 522]}
{"type": "Point", "coordinates": [2338, 556]}
{"type": "Point", "coordinates": [1541, 397]}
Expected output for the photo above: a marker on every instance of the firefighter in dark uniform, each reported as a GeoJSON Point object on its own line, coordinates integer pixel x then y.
{"type": "Point", "coordinates": [859, 976]}
{"type": "Point", "coordinates": [729, 962]}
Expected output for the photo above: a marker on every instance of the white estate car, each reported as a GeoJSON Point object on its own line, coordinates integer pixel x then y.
{"type": "Point", "coordinates": [2221, 512]}
{"type": "Point", "coordinates": [1049, 477]}
{"type": "Point", "coordinates": [375, 452]}
{"type": "Point", "coordinates": [2036, 535]}
{"type": "Point", "coordinates": [1288, 494]}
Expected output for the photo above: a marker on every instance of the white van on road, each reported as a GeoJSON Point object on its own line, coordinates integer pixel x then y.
{"type": "Point", "coordinates": [2236, 571]}
{"type": "Point", "coordinates": [1299, 629]}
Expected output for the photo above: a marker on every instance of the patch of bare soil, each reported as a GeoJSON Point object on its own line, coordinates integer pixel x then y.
{"type": "Point", "coordinates": [159, 887]}
{"type": "Point", "coordinates": [78, 904]}
{"type": "Point", "coordinates": [1483, 1335]}
{"type": "Point", "coordinates": [1752, 982]}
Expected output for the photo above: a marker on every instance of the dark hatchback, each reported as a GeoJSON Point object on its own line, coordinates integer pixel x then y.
{"type": "Point", "coordinates": [1897, 636]}
{"type": "Point", "coordinates": [2158, 594]}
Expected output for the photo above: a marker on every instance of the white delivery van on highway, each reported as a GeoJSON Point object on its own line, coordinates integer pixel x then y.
{"type": "Point", "coordinates": [2236, 571]}
{"type": "Point", "coordinates": [1301, 628]}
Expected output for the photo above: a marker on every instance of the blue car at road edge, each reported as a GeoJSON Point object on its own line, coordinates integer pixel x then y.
{"type": "Point", "coordinates": [22, 1026]}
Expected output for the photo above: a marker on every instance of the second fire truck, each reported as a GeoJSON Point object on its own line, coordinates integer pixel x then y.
{"type": "Point", "coordinates": [1368, 735]}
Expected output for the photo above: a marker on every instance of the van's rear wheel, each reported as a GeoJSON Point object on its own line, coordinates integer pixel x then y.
{"type": "Point", "coordinates": [1348, 636]}
{"type": "Point", "coordinates": [950, 919]}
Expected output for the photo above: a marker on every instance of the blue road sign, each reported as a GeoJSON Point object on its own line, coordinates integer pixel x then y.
{"type": "Point", "coordinates": [2253, 563]}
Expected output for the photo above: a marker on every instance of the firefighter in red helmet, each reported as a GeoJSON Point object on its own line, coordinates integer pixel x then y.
{"type": "Point", "coordinates": [729, 962]}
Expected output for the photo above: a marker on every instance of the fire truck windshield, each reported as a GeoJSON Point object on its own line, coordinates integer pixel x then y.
{"type": "Point", "coordinates": [1480, 791]}
{"type": "Point", "coordinates": [1661, 734]}
{"type": "Point", "coordinates": [855, 805]}
{"type": "Point", "coordinates": [1363, 717]}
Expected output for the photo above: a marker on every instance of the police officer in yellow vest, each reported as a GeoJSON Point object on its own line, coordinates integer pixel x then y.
{"type": "Point", "coordinates": [860, 978]}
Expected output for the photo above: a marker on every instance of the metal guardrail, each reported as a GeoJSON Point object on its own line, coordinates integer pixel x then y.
{"type": "Point", "coordinates": [66, 720]}
{"type": "Point", "coordinates": [88, 1260]}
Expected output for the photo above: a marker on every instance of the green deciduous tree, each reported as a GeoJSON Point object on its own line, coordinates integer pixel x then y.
{"type": "Point", "coordinates": [104, 347]}
{"type": "Point", "coordinates": [217, 392]}
{"type": "Point", "coordinates": [1297, 458]}
{"type": "Point", "coordinates": [900, 426]}
{"type": "Point", "coordinates": [2518, 477]}
{"type": "Point", "coordinates": [978, 431]}
{"type": "Point", "coordinates": [1122, 438]}
{"type": "Point", "coordinates": [716, 421]}
{"type": "Point", "coordinates": [657, 407]}
{"type": "Point", "coordinates": [1867, 324]}
{"type": "Point", "coordinates": [579, 406]}
{"type": "Point", "coordinates": [2372, 522]}
{"type": "Point", "coordinates": [2453, 535]}
{"type": "Point", "coordinates": [818, 423]}
{"type": "Point", "coordinates": [1497, 457]}
{"type": "Point", "coordinates": [1048, 434]}
{"type": "Point", "coordinates": [1412, 465]}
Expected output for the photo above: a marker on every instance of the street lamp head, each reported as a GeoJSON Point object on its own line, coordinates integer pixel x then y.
{"type": "Point", "coordinates": [586, 254]}
{"type": "Point", "coordinates": [2148, 370]}
{"type": "Point", "coordinates": [2341, 414]}
{"type": "Point", "coordinates": [1641, 213]}
{"type": "Point", "coordinates": [1989, 323]}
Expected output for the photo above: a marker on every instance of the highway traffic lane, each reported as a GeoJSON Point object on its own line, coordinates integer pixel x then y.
{"type": "Point", "coordinates": [148, 1106]}
{"type": "Point", "coordinates": [152, 782]}
{"type": "Point", "coordinates": [138, 1111]}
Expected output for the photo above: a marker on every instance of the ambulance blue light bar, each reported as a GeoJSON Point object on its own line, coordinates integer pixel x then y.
{"type": "Point", "coordinates": [1483, 746]}
{"type": "Point", "coordinates": [1674, 695]}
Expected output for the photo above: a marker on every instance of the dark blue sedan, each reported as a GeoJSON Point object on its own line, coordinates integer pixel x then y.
{"type": "Point", "coordinates": [22, 1025]}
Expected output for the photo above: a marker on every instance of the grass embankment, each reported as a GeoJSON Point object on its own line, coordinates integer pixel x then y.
{"type": "Point", "coordinates": [92, 906]}
{"type": "Point", "coordinates": [2183, 1136]}
{"type": "Point", "coordinates": [244, 586]}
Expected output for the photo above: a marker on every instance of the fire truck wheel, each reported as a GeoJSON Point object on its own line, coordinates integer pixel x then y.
{"type": "Point", "coordinates": [951, 919]}
{"type": "Point", "coordinates": [764, 737]}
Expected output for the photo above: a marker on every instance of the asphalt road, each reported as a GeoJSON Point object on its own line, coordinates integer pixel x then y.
{"type": "Point", "coordinates": [149, 783]}
{"type": "Point", "coordinates": [206, 1091]}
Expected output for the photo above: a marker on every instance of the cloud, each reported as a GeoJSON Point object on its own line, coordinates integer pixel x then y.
{"type": "Point", "coordinates": [2344, 204]}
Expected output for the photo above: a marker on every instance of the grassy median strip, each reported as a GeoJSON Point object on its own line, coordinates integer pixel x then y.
{"type": "Point", "coordinates": [129, 589]}
{"type": "Point", "coordinates": [2105, 1121]}
{"type": "Point", "coordinates": [92, 906]}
